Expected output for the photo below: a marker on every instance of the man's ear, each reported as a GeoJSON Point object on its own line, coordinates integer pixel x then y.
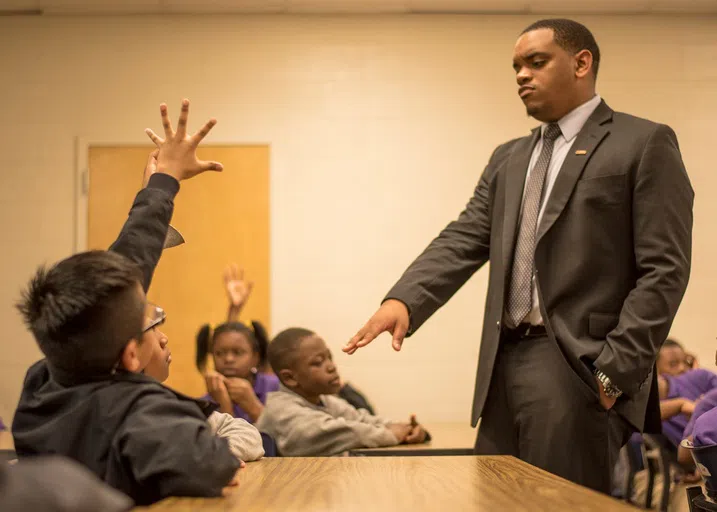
{"type": "Point", "coordinates": [583, 63]}
{"type": "Point", "coordinates": [130, 357]}
{"type": "Point", "coordinates": [287, 377]}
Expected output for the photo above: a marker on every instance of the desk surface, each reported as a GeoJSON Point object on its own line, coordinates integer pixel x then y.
{"type": "Point", "coordinates": [443, 436]}
{"type": "Point", "coordinates": [6, 442]}
{"type": "Point", "coordinates": [414, 484]}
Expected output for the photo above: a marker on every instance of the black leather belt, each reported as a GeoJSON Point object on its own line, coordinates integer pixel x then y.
{"type": "Point", "coordinates": [524, 331]}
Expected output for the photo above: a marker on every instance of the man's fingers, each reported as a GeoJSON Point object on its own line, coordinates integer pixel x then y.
{"type": "Point", "coordinates": [367, 338]}
{"type": "Point", "coordinates": [155, 138]}
{"type": "Point", "coordinates": [210, 166]}
{"type": "Point", "coordinates": [399, 333]}
{"type": "Point", "coordinates": [203, 131]}
{"type": "Point", "coordinates": [166, 123]}
{"type": "Point", "coordinates": [182, 123]}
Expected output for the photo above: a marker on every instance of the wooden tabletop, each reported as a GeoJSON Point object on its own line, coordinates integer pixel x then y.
{"type": "Point", "coordinates": [414, 484]}
{"type": "Point", "coordinates": [444, 436]}
{"type": "Point", "coordinates": [6, 442]}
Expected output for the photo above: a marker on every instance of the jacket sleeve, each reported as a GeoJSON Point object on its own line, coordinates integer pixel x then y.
{"type": "Point", "coordinates": [171, 450]}
{"type": "Point", "coordinates": [143, 234]}
{"type": "Point", "coordinates": [453, 257]}
{"type": "Point", "coordinates": [304, 431]}
{"type": "Point", "coordinates": [244, 440]}
{"type": "Point", "coordinates": [662, 227]}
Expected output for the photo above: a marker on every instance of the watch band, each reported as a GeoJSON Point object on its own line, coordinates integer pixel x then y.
{"type": "Point", "coordinates": [611, 390]}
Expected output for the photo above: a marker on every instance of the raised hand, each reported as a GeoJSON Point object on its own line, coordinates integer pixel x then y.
{"type": "Point", "coordinates": [238, 289]}
{"type": "Point", "coordinates": [391, 317]}
{"type": "Point", "coordinates": [177, 151]}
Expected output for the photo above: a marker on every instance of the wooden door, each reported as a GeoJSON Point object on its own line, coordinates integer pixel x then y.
{"type": "Point", "coordinates": [224, 217]}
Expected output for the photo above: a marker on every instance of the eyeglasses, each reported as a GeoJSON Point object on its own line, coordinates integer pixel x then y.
{"type": "Point", "coordinates": [156, 316]}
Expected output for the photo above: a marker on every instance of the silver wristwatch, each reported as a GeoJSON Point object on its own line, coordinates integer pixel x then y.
{"type": "Point", "coordinates": [611, 390]}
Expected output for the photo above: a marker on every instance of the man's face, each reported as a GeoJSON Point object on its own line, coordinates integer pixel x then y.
{"type": "Point", "coordinates": [546, 75]}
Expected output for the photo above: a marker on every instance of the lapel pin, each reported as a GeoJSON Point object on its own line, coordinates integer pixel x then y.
{"type": "Point", "coordinates": [581, 152]}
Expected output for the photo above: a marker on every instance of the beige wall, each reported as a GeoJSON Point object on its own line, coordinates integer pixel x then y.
{"type": "Point", "coordinates": [379, 129]}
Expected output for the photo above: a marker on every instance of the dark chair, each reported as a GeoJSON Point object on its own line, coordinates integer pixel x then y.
{"type": "Point", "coordinates": [270, 448]}
{"type": "Point", "coordinates": [706, 460]}
{"type": "Point", "coordinates": [659, 456]}
{"type": "Point", "coordinates": [698, 501]}
{"type": "Point", "coordinates": [635, 463]}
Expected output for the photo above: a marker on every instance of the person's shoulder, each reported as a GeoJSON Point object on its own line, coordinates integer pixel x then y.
{"type": "Point", "coordinates": [639, 127]}
{"type": "Point", "coordinates": [502, 151]}
{"type": "Point", "coordinates": [700, 373]}
{"type": "Point", "coordinates": [333, 402]}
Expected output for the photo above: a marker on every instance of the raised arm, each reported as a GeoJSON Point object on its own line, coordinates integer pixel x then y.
{"type": "Point", "coordinates": [143, 234]}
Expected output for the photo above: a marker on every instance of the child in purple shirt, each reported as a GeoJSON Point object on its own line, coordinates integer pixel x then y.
{"type": "Point", "coordinates": [682, 390]}
{"type": "Point", "coordinates": [239, 352]}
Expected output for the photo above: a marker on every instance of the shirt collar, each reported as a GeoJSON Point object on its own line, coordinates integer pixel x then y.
{"type": "Point", "coordinates": [572, 122]}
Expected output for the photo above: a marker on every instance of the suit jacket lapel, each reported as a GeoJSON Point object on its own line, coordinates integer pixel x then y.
{"type": "Point", "coordinates": [594, 131]}
{"type": "Point", "coordinates": [515, 173]}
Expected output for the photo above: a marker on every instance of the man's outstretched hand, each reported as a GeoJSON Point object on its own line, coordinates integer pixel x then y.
{"type": "Point", "coordinates": [177, 151]}
{"type": "Point", "coordinates": [391, 317]}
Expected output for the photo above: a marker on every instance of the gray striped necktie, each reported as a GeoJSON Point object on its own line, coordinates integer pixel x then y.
{"type": "Point", "coordinates": [520, 295]}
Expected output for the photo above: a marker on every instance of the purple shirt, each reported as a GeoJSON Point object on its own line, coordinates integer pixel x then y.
{"type": "Point", "coordinates": [264, 383]}
{"type": "Point", "coordinates": [705, 430]}
{"type": "Point", "coordinates": [708, 402]}
{"type": "Point", "coordinates": [690, 385]}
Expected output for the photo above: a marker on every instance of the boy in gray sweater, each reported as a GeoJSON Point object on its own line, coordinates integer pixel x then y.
{"type": "Point", "coordinates": [306, 419]}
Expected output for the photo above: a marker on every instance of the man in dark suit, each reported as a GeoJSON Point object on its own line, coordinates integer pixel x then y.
{"type": "Point", "coordinates": [587, 224]}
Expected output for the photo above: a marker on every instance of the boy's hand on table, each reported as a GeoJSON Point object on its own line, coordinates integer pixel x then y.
{"type": "Point", "coordinates": [417, 433]}
{"type": "Point", "coordinates": [232, 485]}
{"type": "Point", "coordinates": [400, 430]}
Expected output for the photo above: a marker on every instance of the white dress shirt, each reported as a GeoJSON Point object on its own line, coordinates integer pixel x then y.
{"type": "Point", "coordinates": [570, 126]}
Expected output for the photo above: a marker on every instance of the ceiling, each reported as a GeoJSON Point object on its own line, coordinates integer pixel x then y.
{"type": "Point", "coordinates": [111, 7]}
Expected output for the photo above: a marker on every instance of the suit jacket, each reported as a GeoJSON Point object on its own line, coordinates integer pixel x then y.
{"type": "Point", "coordinates": [612, 254]}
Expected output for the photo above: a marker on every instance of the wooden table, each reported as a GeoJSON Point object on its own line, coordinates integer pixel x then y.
{"type": "Point", "coordinates": [446, 439]}
{"type": "Point", "coordinates": [415, 484]}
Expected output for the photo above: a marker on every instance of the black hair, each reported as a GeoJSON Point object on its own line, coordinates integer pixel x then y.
{"type": "Point", "coordinates": [672, 342]}
{"type": "Point", "coordinates": [256, 334]}
{"type": "Point", "coordinates": [571, 36]}
{"type": "Point", "coordinates": [283, 348]}
{"type": "Point", "coordinates": [84, 310]}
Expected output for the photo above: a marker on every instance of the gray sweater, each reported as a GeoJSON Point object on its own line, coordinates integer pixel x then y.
{"type": "Point", "coordinates": [244, 439]}
{"type": "Point", "coordinates": [301, 428]}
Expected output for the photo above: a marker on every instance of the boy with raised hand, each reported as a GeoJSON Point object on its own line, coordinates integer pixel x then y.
{"type": "Point", "coordinates": [88, 399]}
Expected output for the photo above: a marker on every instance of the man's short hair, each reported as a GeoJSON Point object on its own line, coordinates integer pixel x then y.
{"type": "Point", "coordinates": [571, 36]}
{"type": "Point", "coordinates": [284, 347]}
{"type": "Point", "coordinates": [84, 310]}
